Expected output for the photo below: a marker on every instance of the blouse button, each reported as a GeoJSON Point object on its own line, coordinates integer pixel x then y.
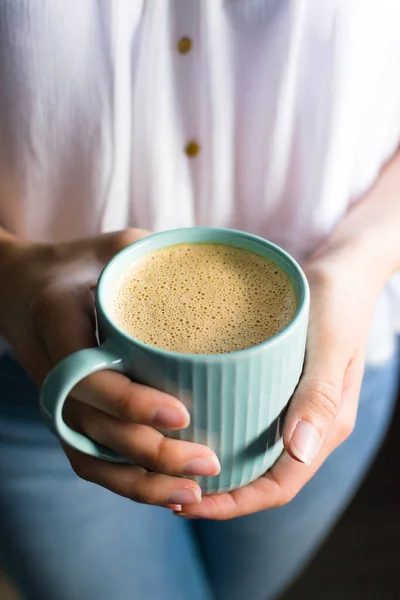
{"type": "Point", "coordinates": [192, 149]}
{"type": "Point", "coordinates": [185, 45]}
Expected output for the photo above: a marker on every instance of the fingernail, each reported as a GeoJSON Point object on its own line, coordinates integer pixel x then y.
{"type": "Point", "coordinates": [206, 465]}
{"type": "Point", "coordinates": [174, 507]}
{"type": "Point", "coordinates": [171, 418]}
{"type": "Point", "coordinates": [185, 496]}
{"type": "Point", "coordinates": [183, 515]}
{"type": "Point", "coordinates": [305, 442]}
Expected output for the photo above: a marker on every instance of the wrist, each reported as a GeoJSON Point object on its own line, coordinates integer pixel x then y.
{"type": "Point", "coordinates": [358, 257]}
{"type": "Point", "coordinates": [13, 259]}
{"type": "Point", "coordinates": [10, 249]}
{"type": "Point", "coordinates": [368, 235]}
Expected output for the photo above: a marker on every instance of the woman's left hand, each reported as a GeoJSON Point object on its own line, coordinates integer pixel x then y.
{"type": "Point", "coordinates": [323, 409]}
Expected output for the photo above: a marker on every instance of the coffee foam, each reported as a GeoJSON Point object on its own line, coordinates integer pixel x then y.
{"type": "Point", "coordinates": [203, 299]}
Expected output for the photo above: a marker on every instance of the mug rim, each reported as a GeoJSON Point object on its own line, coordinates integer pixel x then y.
{"type": "Point", "coordinates": [268, 343]}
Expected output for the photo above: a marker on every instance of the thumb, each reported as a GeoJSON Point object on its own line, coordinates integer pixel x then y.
{"type": "Point", "coordinates": [109, 244]}
{"type": "Point", "coordinates": [82, 261]}
{"type": "Point", "coordinates": [316, 402]}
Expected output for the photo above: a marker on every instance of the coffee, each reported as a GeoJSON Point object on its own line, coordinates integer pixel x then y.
{"type": "Point", "coordinates": [203, 299]}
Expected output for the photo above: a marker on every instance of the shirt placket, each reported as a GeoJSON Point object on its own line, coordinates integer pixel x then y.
{"type": "Point", "coordinates": [186, 40]}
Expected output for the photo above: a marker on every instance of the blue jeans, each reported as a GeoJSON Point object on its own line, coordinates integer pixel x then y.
{"type": "Point", "coordinates": [62, 538]}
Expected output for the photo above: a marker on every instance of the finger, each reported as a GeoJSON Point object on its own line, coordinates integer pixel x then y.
{"type": "Point", "coordinates": [118, 396]}
{"type": "Point", "coordinates": [65, 318]}
{"type": "Point", "coordinates": [317, 399]}
{"type": "Point", "coordinates": [275, 488]}
{"type": "Point", "coordinates": [143, 445]}
{"type": "Point", "coordinates": [76, 267]}
{"type": "Point", "coordinates": [287, 477]}
{"type": "Point", "coordinates": [90, 255]}
{"type": "Point", "coordinates": [135, 482]}
{"type": "Point", "coordinates": [331, 345]}
{"type": "Point", "coordinates": [174, 507]}
{"type": "Point", "coordinates": [64, 312]}
{"type": "Point", "coordinates": [105, 246]}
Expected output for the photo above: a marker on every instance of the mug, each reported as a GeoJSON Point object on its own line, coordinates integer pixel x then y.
{"type": "Point", "coordinates": [236, 400]}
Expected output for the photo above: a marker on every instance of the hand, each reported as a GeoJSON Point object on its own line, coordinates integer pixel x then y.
{"type": "Point", "coordinates": [46, 313]}
{"type": "Point", "coordinates": [322, 412]}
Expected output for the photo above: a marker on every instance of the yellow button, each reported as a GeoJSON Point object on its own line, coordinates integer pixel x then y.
{"type": "Point", "coordinates": [185, 45]}
{"type": "Point", "coordinates": [192, 149]}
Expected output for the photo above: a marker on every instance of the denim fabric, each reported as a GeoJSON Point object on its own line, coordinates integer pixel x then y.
{"type": "Point", "coordinates": [62, 538]}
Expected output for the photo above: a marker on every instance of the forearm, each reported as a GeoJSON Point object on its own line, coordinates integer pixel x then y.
{"type": "Point", "coordinates": [369, 235]}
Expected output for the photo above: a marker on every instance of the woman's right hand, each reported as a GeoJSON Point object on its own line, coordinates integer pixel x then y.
{"type": "Point", "coordinates": [47, 313]}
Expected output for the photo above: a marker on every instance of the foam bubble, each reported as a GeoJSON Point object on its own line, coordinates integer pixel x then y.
{"type": "Point", "coordinates": [203, 299]}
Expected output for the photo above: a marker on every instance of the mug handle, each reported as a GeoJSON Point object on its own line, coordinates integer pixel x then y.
{"type": "Point", "coordinates": [59, 384]}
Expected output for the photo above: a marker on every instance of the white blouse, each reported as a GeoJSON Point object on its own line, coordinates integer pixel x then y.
{"type": "Point", "coordinates": [271, 116]}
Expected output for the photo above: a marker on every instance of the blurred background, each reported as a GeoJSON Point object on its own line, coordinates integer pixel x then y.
{"type": "Point", "coordinates": [360, 560]}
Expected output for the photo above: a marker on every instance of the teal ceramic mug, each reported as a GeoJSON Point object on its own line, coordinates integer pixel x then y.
{"type": "Point", "coordinates": [236, 400]}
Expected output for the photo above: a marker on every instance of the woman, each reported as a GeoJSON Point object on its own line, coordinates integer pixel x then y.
{"type": "Point", "coordinates": [277, 117]}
